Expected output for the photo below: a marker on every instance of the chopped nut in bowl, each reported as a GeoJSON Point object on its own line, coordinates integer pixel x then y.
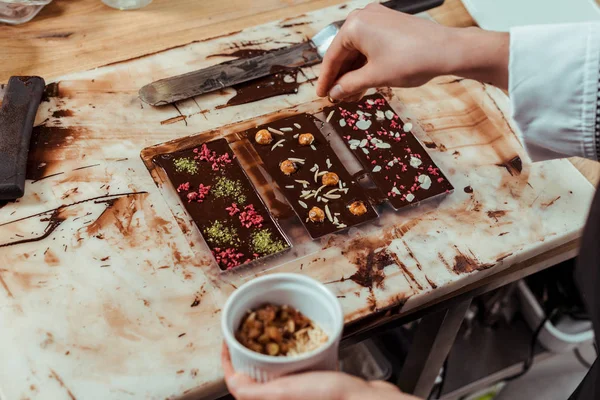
{"type": "Point", "coordinates": [279, 331]}
{"type": "Point", "coordinates": [282, 323]}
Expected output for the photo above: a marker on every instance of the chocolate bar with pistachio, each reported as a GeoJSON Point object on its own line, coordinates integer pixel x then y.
{"type": "Point", "coordinates": [223, 203]}
{"type": "Point", "coordinates": [311, 176]}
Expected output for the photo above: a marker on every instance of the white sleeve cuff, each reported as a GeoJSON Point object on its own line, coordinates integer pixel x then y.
{"type": "Point", "coordinates": [554, 78]}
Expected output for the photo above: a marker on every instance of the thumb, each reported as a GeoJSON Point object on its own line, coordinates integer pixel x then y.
{"type": "Point", "coordinates": [352, 83]}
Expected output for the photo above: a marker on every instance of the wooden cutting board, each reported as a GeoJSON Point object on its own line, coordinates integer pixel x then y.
{"type": "Point", "coordinates": [102, 295]}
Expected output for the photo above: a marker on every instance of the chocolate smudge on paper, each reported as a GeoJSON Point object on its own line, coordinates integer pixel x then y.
{"type": "Point", "coordinates": [57, 216]}
{"type": "Point", "coordinates": [54, 375]}
{"type": "Point", "coordinates": [62, 113]}
{"type": "Point", "coordinates": [370, 268]}
{"type": "Point", "coordinates": [514, 166]}
{"type": "Point", "coordinates": [45, 146]}
{"type": "Point", "coordinates": [464, 264]}
{"type": "Point", "coordinates": [548, 204]}
{"type": "Point", "coordinates": [495, 214]}
{"type": "Point", "coordinates": [51, 90]}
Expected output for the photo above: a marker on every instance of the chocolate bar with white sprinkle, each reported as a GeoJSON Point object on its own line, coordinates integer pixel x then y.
{"type": "Point", "coordinates": [386, 147]}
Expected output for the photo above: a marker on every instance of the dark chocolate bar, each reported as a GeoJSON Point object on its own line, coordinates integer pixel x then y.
{"type": "Point", "coordinates": [17, 115]}
{"type": "Point", "coordinates": [386, 147]}
{"type": "Point", "coordinates": [223, 203]}
{"type": "Point", "coordinates": [311, 176]}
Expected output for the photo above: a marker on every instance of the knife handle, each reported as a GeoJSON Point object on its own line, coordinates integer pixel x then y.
{"type": "Point", "coordinates": [412, 6]}
{"type": "Point", "coordinates": [17, 115]}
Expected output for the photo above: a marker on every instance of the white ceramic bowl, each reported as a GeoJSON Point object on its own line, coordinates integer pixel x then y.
{"type": "Point", "coordinates": [305, 294]}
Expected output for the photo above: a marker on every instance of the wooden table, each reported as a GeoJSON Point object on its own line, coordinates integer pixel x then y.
{"type": "Point", "coordinates": [80, 39]}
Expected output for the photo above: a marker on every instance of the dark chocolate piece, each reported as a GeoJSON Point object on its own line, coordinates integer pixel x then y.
{"type": "Point", "coordinates": [223, 203]}
{"type": "Point", "coordinates": [283, 81]}
{"type": "Point", "coordinates": [399, 165]}
{"type": "Point", "coordinates": [17, 115]}
{"type": "Point", "coordinates": [312, 162]}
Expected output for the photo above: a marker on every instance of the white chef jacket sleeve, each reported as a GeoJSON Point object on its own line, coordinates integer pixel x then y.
{"type": "Point", "coordinates": [554, 81]}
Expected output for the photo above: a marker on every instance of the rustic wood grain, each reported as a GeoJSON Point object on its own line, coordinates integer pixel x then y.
{"type": "Point", "coordinates": [69, 36]}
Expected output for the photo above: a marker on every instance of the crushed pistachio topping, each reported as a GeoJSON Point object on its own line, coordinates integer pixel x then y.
{"type": "Point", "coordinates": [233, 189]}
{"type": "Point", "coordinates": [221, 235]}
{"type": "Point", "coordinates": [185, 164]}
{"type": "Point", "coordinates": [263, 243]}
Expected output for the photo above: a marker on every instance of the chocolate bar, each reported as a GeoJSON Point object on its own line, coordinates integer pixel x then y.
{"type": "Point", "coordinates": [310, 175]}
{"type": "Point", "coordinates": [399, 165]}
{"type": "Point", "coordinates": [223, 203]}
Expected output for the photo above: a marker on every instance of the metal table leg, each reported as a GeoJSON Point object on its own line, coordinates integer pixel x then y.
{"type": "Point", "coordinates": [431, 344]}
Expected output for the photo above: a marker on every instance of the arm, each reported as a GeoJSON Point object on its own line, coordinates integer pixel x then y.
{"type": "Point", "coordinates": [553, 75]}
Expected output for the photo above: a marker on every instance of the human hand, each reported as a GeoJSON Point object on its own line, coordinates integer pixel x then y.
{"type": "Point", "coordinates": [310, 385]}
{"type": "Point", "coordinates": [377, 46]}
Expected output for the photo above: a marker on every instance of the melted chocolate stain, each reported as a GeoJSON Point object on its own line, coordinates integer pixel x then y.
{"type": "Point", "coordinates": [282, 81]}
{"type": "Point", "coordinates": [51, 90]}
{"type": "Point", "coordinates": [213, 208]}
{"type": "Point", "coordinates": [54, 222]}
{"type": "Point", "coordinates": [370, 269]}
{"type": "Point", "coordinates": [496, 214]}
{"type": "Point", "coordinates": [514, 166]}
{"type": "Point", "coordinates": [286, 146]}
{"type": "Point", "coordinates": [468, 189]}
{"type": "Point", "coordinates": [465, 265]}
{"type": "Point", "coordinates": [62, 113]}
{"type": "Point", "coordinates": [44, 141]}
{"type": "Point", "coordinates": [395, 159]}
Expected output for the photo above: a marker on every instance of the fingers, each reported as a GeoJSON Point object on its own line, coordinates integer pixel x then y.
{"type": "Point", "coordinates": [226, 362]}
{"type": "Point", "coordinates": [353, 84]}
{"type": "Point", "coordinates": [310, 385]}
{"type": "Point", "coordinates": [337, 58]}
{"type": "Point", "coordinates": [235, 381]}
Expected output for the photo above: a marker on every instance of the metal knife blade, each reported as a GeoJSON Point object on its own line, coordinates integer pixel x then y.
{"type": "Point", "coordinates": [227, 74]}
{"type": "Point", "coordinates": [170, 90]}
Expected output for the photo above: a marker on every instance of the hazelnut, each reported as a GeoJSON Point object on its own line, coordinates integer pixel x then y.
{"type": "Point", "coordinates": [316, 214]}
{"type": "Point", "coordinates": [288, 167]}
{"type": "Point", "coordinates": [263, 137]}
{"type": "Point", "coordinates": [358, 208]}
{"type": "Point", "coordinates": [330, 179]}
{"type": "Point", "coordinates": [272, 349]}
{"type": "Point", "coordinates": [306, 139]}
